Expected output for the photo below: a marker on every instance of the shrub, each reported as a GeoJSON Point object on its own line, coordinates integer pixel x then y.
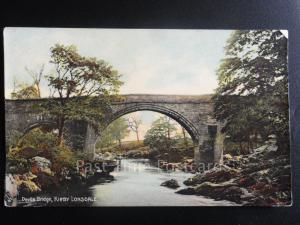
{"type": "Point", "coordinates": [36, 138]}
{"type": "Point", "coordinates": [16, 164]}
{"type": "Point", "coordinates": [62, 157]}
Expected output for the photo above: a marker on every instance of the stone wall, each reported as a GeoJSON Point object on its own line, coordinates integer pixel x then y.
{"type": "Point", "coordinates": [194, 113]}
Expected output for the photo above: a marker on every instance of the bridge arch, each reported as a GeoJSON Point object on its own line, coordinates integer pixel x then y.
{"type": "Point", "coordinates": [36, 125]}
{"type": "Point", "coordinates": [194, 113]}
{"type": "Point", "coordinates": [179, 118]}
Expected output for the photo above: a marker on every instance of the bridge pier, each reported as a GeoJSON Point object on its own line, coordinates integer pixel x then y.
{"type": "Point", "coordinates": [90, 142]}
{"type": "Point", "coordinates": [194, 113]}
{"type": "Point", "coordinates": [207, 153]}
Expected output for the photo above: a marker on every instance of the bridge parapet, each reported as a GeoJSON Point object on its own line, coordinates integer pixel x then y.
{"type": "Point", "coordinates": [193, 112]}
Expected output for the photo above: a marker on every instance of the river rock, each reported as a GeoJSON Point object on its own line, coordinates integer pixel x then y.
{"type": "Point", "coordinates": [261, 178]}
{"type": "Point", "coordinates": [246, 181]}
{"type": "Point", "coordinates": [108, 156]}
{"type": "Point", "coordinates": [133, 153]}
{"type": "Point", "coordinates": [171, 184]}
{"type": "Point", "coordinates": [224, 191]}
{"type": "Point", "coordinates": [98, 156]}
{"type": "Point", "coordinates": [187, 191]}
{"type": "Point", "coordinates": [40, 165]}
{"type": "Point", "coordinates": [216, 175]}
{"type": "Point", "coordinates": [168, 166]}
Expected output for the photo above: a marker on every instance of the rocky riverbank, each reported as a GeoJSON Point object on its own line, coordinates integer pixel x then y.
{"type": "Point", "coordinates": [262, 178]}
{"type": "Point", "coordinates": [40, 179]}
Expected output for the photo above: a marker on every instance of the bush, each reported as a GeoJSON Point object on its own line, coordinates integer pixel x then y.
{"type": "Point", "coordinates": [16, 164]}
{"type": "Point", "coordinates": [27, 152]}
{"type": "Point", "coordinates": [62, 157]}
{"type": "Point", "coordinates": [41, 143]}
{"type": "Point", "coordinates": [12, 140]}
{"type": "Point", "coordinates": [38, 139]}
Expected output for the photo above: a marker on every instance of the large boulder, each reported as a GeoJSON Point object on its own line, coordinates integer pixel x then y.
{"type": "Point", "coordinates": [98, 156]}
{"type": "Point", "coordinates": [187, 191]}
{"type": "Point", "coordinates": [40, 165]}
{"type": "Point", "coordinates": [108, 156]}
{"type": "Point", "coordinates": [133, 153]}
{"type": "Point", "coordinates": [224, 191]}
{"type": "Point", "coordinates": [261, 178]}
{"type": "Point", "coordinates": [246, 181]}
{"type": "Point", "coordinates": [170, 184]}
{"type": "Point", "coordinates": [216, 175]}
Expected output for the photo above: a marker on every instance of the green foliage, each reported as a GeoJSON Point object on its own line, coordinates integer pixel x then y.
{"type": "Point", "coordinates": [183, 143]}
{"type": "Point", "coordinates": [118, 129]}
{"type": "Point", "coordinates": [35, 143]}
{"type": "Point", "coordinates": [115, 132]}
{"type": "Point", "coordinates": [38, 139]}
{"type": "Point", "coordinates": [62, 157]}
{"type": "Point", "coordinates": [159, 135]}
{"type": "Point", "coordinates": [81, 76]}
{"type": "Point", "coordinates": [13, 139]}
{"type": "Point", "coordinates": [252, 96]}
{"type": "Point", "coordinates": [105, 140]}
{"type": "Point", "coordinates": [93, 82]}
{"type": "Point", "coordinates": [43, 143]}
{"type": "Point", "coordinates": [16, 164]}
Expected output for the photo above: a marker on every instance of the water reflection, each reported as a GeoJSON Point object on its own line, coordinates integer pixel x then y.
{"type": "Point", "coordinates": [137, 183]}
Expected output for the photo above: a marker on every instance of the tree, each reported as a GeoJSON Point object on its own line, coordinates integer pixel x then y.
{"type": "Point", "coordinates": [105, 139]}
{"type": "Point", "coordinates": [252, 96]}
{"type": "Point", "coordinates": [119, 129]}
{"type": "Point", "coordinates": [25, 91]}
{"type": "Point", "coordinates": [28, 91]}
{"type": "Point", "coordinates": [185, 141]}
{"type": "Point", "coordinates": [115, 132]}
{"type": "Point", "coordinates": [37, 77]}
{"type": "Point", "coordinates": [134, 123]}
{"type": "Point", "coordinates": [83, 88]}
{"type": "Point", "coordinates": [159, 135]}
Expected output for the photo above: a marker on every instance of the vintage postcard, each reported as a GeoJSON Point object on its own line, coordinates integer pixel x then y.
{"type": "Point", "coordinates": [146, 117]}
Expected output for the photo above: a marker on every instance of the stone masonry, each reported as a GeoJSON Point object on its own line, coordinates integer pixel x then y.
{"type": "Point", "coordinates": [193, 112]}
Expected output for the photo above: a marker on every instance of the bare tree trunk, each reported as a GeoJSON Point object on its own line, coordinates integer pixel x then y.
{"type": "Point", "coordinates": [39, 90]}
{"type": "Point", "coordinates": [137, 136]}
{"type": "Point", "coordinates": [255, 139]}
{"type": "Point", "coordinates": [169, 136]}
{"type": "Point", "coordinates": [184, 137]}
{"type": "Point", "coordinates": [61, 124]}
{"type": "Point", "coordinates": [241, 148]}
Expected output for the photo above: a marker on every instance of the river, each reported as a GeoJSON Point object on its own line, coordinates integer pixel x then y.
{"type": "Point", "coordinates": [136, 183]}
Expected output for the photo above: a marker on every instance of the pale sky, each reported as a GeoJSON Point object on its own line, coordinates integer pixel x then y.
{"type": "Point", "coordinates": [151, 61]}
{"type": "Point", "coordinates": [154, 61]}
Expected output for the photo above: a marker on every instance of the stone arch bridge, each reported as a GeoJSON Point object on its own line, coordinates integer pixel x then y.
{"type": "Point", "coordinates": [192, 112]}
